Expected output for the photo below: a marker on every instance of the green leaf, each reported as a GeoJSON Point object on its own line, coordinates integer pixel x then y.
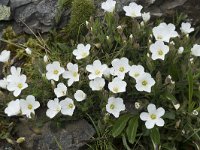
{"type": "Point", "coordinates": [155, 135]}
{"type": "Point", "coordinates": [170, 97]}
{"type": "Point", "coordinates": [120, 124]}
{"type": "Point", "coordinates": [132, 129]}
{"type": "Point", "coordinates": [169, 115]}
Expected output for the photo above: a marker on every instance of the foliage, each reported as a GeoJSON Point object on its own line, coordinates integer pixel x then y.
{"type": "Point", "coordinates": [131, 40]}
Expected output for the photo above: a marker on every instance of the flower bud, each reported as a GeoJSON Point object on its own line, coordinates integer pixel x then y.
{"type": "Point", "coordinates": [20, 140]}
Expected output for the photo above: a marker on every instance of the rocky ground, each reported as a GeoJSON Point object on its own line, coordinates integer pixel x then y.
{"type": "Point", "coordinates": [39, 15]}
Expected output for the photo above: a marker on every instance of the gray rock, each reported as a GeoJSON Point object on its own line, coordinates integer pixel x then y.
{"type": "Point", "coordinates": [72, 136]}
{"type": "Point", "coordinates": [4, 2]}
{"type": "Point", "coordinates": [18, 3]}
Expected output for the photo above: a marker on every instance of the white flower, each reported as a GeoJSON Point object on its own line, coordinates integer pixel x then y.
{"type": "Point", "coordinates": [54, 70]}
{"type": "Point", "coordinates": [82, 51]}
{"type": "Point", "coordinates": [13, 108]}
{"type": "Point", "coordinates": [97, 84]}
{"type": "Point", "coordinates": [96, 69]}
{"type": "Point", "coordinates": [109, 5]}
{"type": "Point", "coordinates": [15, 72]}
{"type": "Point", "coordinates": [158, 50]}
{"type": "Point", "coordinates": [136, 71]}
{"type": "Point", "coordinates": [71, 73]}
{"type": "Point", "coordinates": [61, 90]}
{"type": "Point", "coordinates": [146, 16]}
{"type": "Point", "coordinates": [163, 32]}
{"type": "Point", "coordinates": [145, 82]}
{"type": "Point", "coordinates": [28, 51]}
{"type": "Point", "coordinates": [29, 105]}
{"type": "Point", "coordinates": [195, 50]}
{"type": "Point", "coordinates": [45, 58]}
{"type": "Point", "coordinates": [80, 95]}
{"type": "Point", "coordinates": [115, 106]}
{"type": "Point", "coordinates": [117, 85]}
{"type": "Point", "coordinates": [67, 106]}
{"type": "Point", "coordinates": [17, 84]}
{"type": "Point", "coordinates": [186, 28]}
{"type": "Point", "coordinates": [3, 83]}
{"type": "Point", "coordinates": [133, 10]}
{"type": "Point", "coordinates": [153, 117]}
{"type": "Point", "coordinates": [4, 56]}
{"type": "Point", "coordinates": [120, 67]}
{"type": "Point", "coordinates": [53, 108]}
{"type": "Point", "coordinates": [180, 50]}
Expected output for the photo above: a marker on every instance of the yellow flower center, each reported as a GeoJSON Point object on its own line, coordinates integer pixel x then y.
{"type": "Point", "coordinates": [136, 74]}
{"type": "Point", "coordinates": [75, 74]}
{"type": "Point", "coordinates": [153, 116]}
{"type": "Point", "coordinates": [30, 106]}
{"type": "Point", "coordinates": [133, 14]}
{"type": "Point", "coordinates": [97, 72]}
{"type": "Point", "coordinates": [121, 69]}
{"type": "Point", "coordinates": [160, 52]}
{"type": "Point", "coordinates": [112, 106]}
{"type": "Point", "coordinates": [70, 106]}
{"type": "Point", "coordinates": [116, 89]}
{"type": "Point", "coordinates": [84, 54]}
{"type": "Point", "coordinates": [20, 85]}
{"type": "Point", "coordinates": [55, 72]}
{"type": "Point", "coordinates": [159, 37]}
{"type": "Point", "coordinates": [144, 83]}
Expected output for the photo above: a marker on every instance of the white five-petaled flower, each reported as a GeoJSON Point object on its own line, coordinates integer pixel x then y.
{"type": "Point", "coordinates": [186, 28]}
{"type": "Point", "coordinates": [146, 16]}
{"type": "Point", "coordinates": [80, 95]}
{"type": "Point", "coordinates": [115, 106]}
{"type": "Point", "coordinates": [96, 69]}
{"type": "Point", "coordinates": [109, 5]}
{"type": "Point", "coordinates": [97, 84]}
{"type": "Point", "coordinates": [29, 105]}
{"type": "Point", "coordinates": [82, 51]}
{"type": "Point", "coordinates": [60, 90]}
{"type": "Point", "coordinates": [158, 50]}
{"type": "Point", "coordinates": [53, 108]}
{"type": "Point", "coordinates": [71, 73]}
{"type": "Point", "coordinates": [163, 32]}
{"type": "Point", "coordinates": [67, 106]}
{"type": "Point", "coordinates": [13, 108]}
{"type": "Point", "coordinates": [54, 70]}
{"type": "Point", "coordinates": [17, 84]}
{"type": "Point", "coordinates": [4, 56]}
{"type": "Point", "coordinates": [145, 82]}
{"type": "Point", "coordinates": [136, 71]}
{"type": "Point", "coordinates": [28, 51]}
{"type": "Point", "coordinates": [133, 10]}
{"type": "Point", "coordinates": [120, 67]}
{"type": "Point", "coordinates": [195, 50]}
{"type": "Point", "coordinates": [153, 116]}
{"type": "Point", "coordinates": [3, 83]}
{"type": "Point", "coordinates": [117, 85]}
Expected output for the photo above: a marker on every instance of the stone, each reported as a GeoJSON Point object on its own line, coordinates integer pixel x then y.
{"type": "Point", "coordinates": [4, 2]}
{"type": "Point", "coordinates": [18, 3]}
{"type": "Point", "coordinates": [72, 136]}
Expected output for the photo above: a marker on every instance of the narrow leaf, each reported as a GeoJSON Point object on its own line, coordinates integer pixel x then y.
{"type": "Point", "coordinates": [132, 129]}
{"type": "Point", "coordinates": [155, 135]}
{"type": "Point", "coordinates": [120, 124]}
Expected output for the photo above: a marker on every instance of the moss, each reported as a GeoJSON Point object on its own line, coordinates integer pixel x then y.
{"type": "Point", "coordinates": [81, 12]}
